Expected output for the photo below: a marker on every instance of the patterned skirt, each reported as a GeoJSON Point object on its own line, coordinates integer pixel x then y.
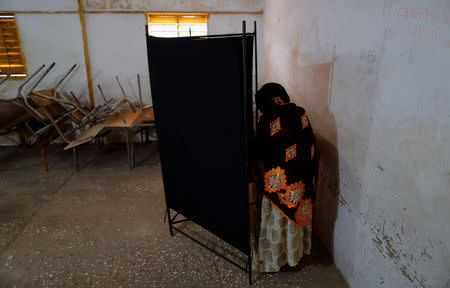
{"type": "Point", "coordinates": [280, 241]}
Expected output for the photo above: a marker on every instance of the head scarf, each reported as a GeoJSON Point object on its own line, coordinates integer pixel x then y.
{"type": "Point", "coordinates": [270, 97]}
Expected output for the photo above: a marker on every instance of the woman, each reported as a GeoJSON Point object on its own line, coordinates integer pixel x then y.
{"type": "Point", "coordinates": [289, 165]}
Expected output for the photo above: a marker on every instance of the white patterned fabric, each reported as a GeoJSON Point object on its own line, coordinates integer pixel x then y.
{"type": "Point", "coordinates": [280, 241]}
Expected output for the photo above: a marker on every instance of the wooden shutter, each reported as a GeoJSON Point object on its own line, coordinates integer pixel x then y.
{"type": "Point", "coordinates": [177, 24]}
{"type": "Point", "coordinates": [11, 57]}
{"type": "Point", "coordinates": [197, 24]}
{"type": "Point", "coordinates": [163, 25]}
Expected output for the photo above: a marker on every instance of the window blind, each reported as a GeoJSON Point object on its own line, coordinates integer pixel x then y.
{"type": "Point", "coordinates": [11, 57]}
{"type": "Point", "coordinates": [166, 25]}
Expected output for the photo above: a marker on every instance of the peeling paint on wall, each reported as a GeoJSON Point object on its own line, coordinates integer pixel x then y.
{"type": "Point", "coordinates": [116, 4]}
{"type": "Point", "coordinates": [175, 5]}
{"type": "Point", "coordinates": [390, 248]}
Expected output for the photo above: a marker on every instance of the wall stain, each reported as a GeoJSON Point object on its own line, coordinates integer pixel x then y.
{"type": "Point", "coordinates": [172, 5]}
{"type": "Point", "coordinates": [95, 4]}
{"type": "Point", "coordinates": [390, 249]}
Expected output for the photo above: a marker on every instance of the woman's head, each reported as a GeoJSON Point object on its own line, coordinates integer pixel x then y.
{"type": "Point", "coordinates": [271, 96]}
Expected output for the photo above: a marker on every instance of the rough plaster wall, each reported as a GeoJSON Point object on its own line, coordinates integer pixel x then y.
{"type": "Point", "coordinates": [117, 47]}
{"type": "Point", "coordinates": [373, 77]}
{"type": "Point", "coordinates": [176, 5]}
{"type": "Point", "coordinates": [40, 5]}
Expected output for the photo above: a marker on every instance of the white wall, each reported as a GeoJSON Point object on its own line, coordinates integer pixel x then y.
{"type": "Point", "coordinates": [41, 5]}
{"type": "Point", "coordinates": [117, 47]}
{"type": "Point", "coordinates": [374, 79]}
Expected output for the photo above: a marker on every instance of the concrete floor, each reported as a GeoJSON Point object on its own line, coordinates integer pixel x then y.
{"type": "Point", "coordinates": [103, 227]}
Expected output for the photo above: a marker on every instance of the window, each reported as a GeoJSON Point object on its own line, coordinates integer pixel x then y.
{"type": "Point", "coordinates": [177, 25]}
{"type": "Point", "coordinates": [11, 57]}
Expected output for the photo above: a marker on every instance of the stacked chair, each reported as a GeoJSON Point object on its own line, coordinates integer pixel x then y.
{"type": "Point", "coordinates": [41, 116]}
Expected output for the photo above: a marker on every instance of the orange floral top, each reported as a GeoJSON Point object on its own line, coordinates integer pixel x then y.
{"type": "Point", "coordinates": [288, 157]}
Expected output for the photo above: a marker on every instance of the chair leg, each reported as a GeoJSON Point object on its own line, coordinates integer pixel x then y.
{"type": "Point", "coordinates": [44, 160]}
{"type": "Point", "coordinates": [43, 157]}
{"type": "Point", "coordinates": [132, 152]}
{"type": "Point", "coordinates": [22, 138]}
{"type": "Point", "coordinates": [127, 135]}
{"type": "Point", "coordinates": [75, 159]}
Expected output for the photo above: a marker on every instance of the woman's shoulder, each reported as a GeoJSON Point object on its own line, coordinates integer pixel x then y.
{"type": "Point", "coordinates": [292, 109]}
{"type": "Point", "coordinates": [284, 111]}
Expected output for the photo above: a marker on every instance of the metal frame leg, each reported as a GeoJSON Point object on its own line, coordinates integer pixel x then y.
{"type": "Point", "coordinates": [99, 142]}
{"type": "Point", "coordinates": [22, 137]}
{"type": "Point", "coordinates": [246, 269]}
{"type": "Point", "coordinates": [170, 222]}
{"type": "Point", "coordinates": [132, 150]}
{"type": "Point", "coordinates": [127, 135]}
{"type": "Point", "coordinates": [249, 264]}
{"type": "Point", "coordinates": [44, 160]}
{"type": "Point", "coordinates": [75, 159]}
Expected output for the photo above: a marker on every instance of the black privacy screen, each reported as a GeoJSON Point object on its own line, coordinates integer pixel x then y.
{"type": "Point", "coordinates": [201, 117]}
